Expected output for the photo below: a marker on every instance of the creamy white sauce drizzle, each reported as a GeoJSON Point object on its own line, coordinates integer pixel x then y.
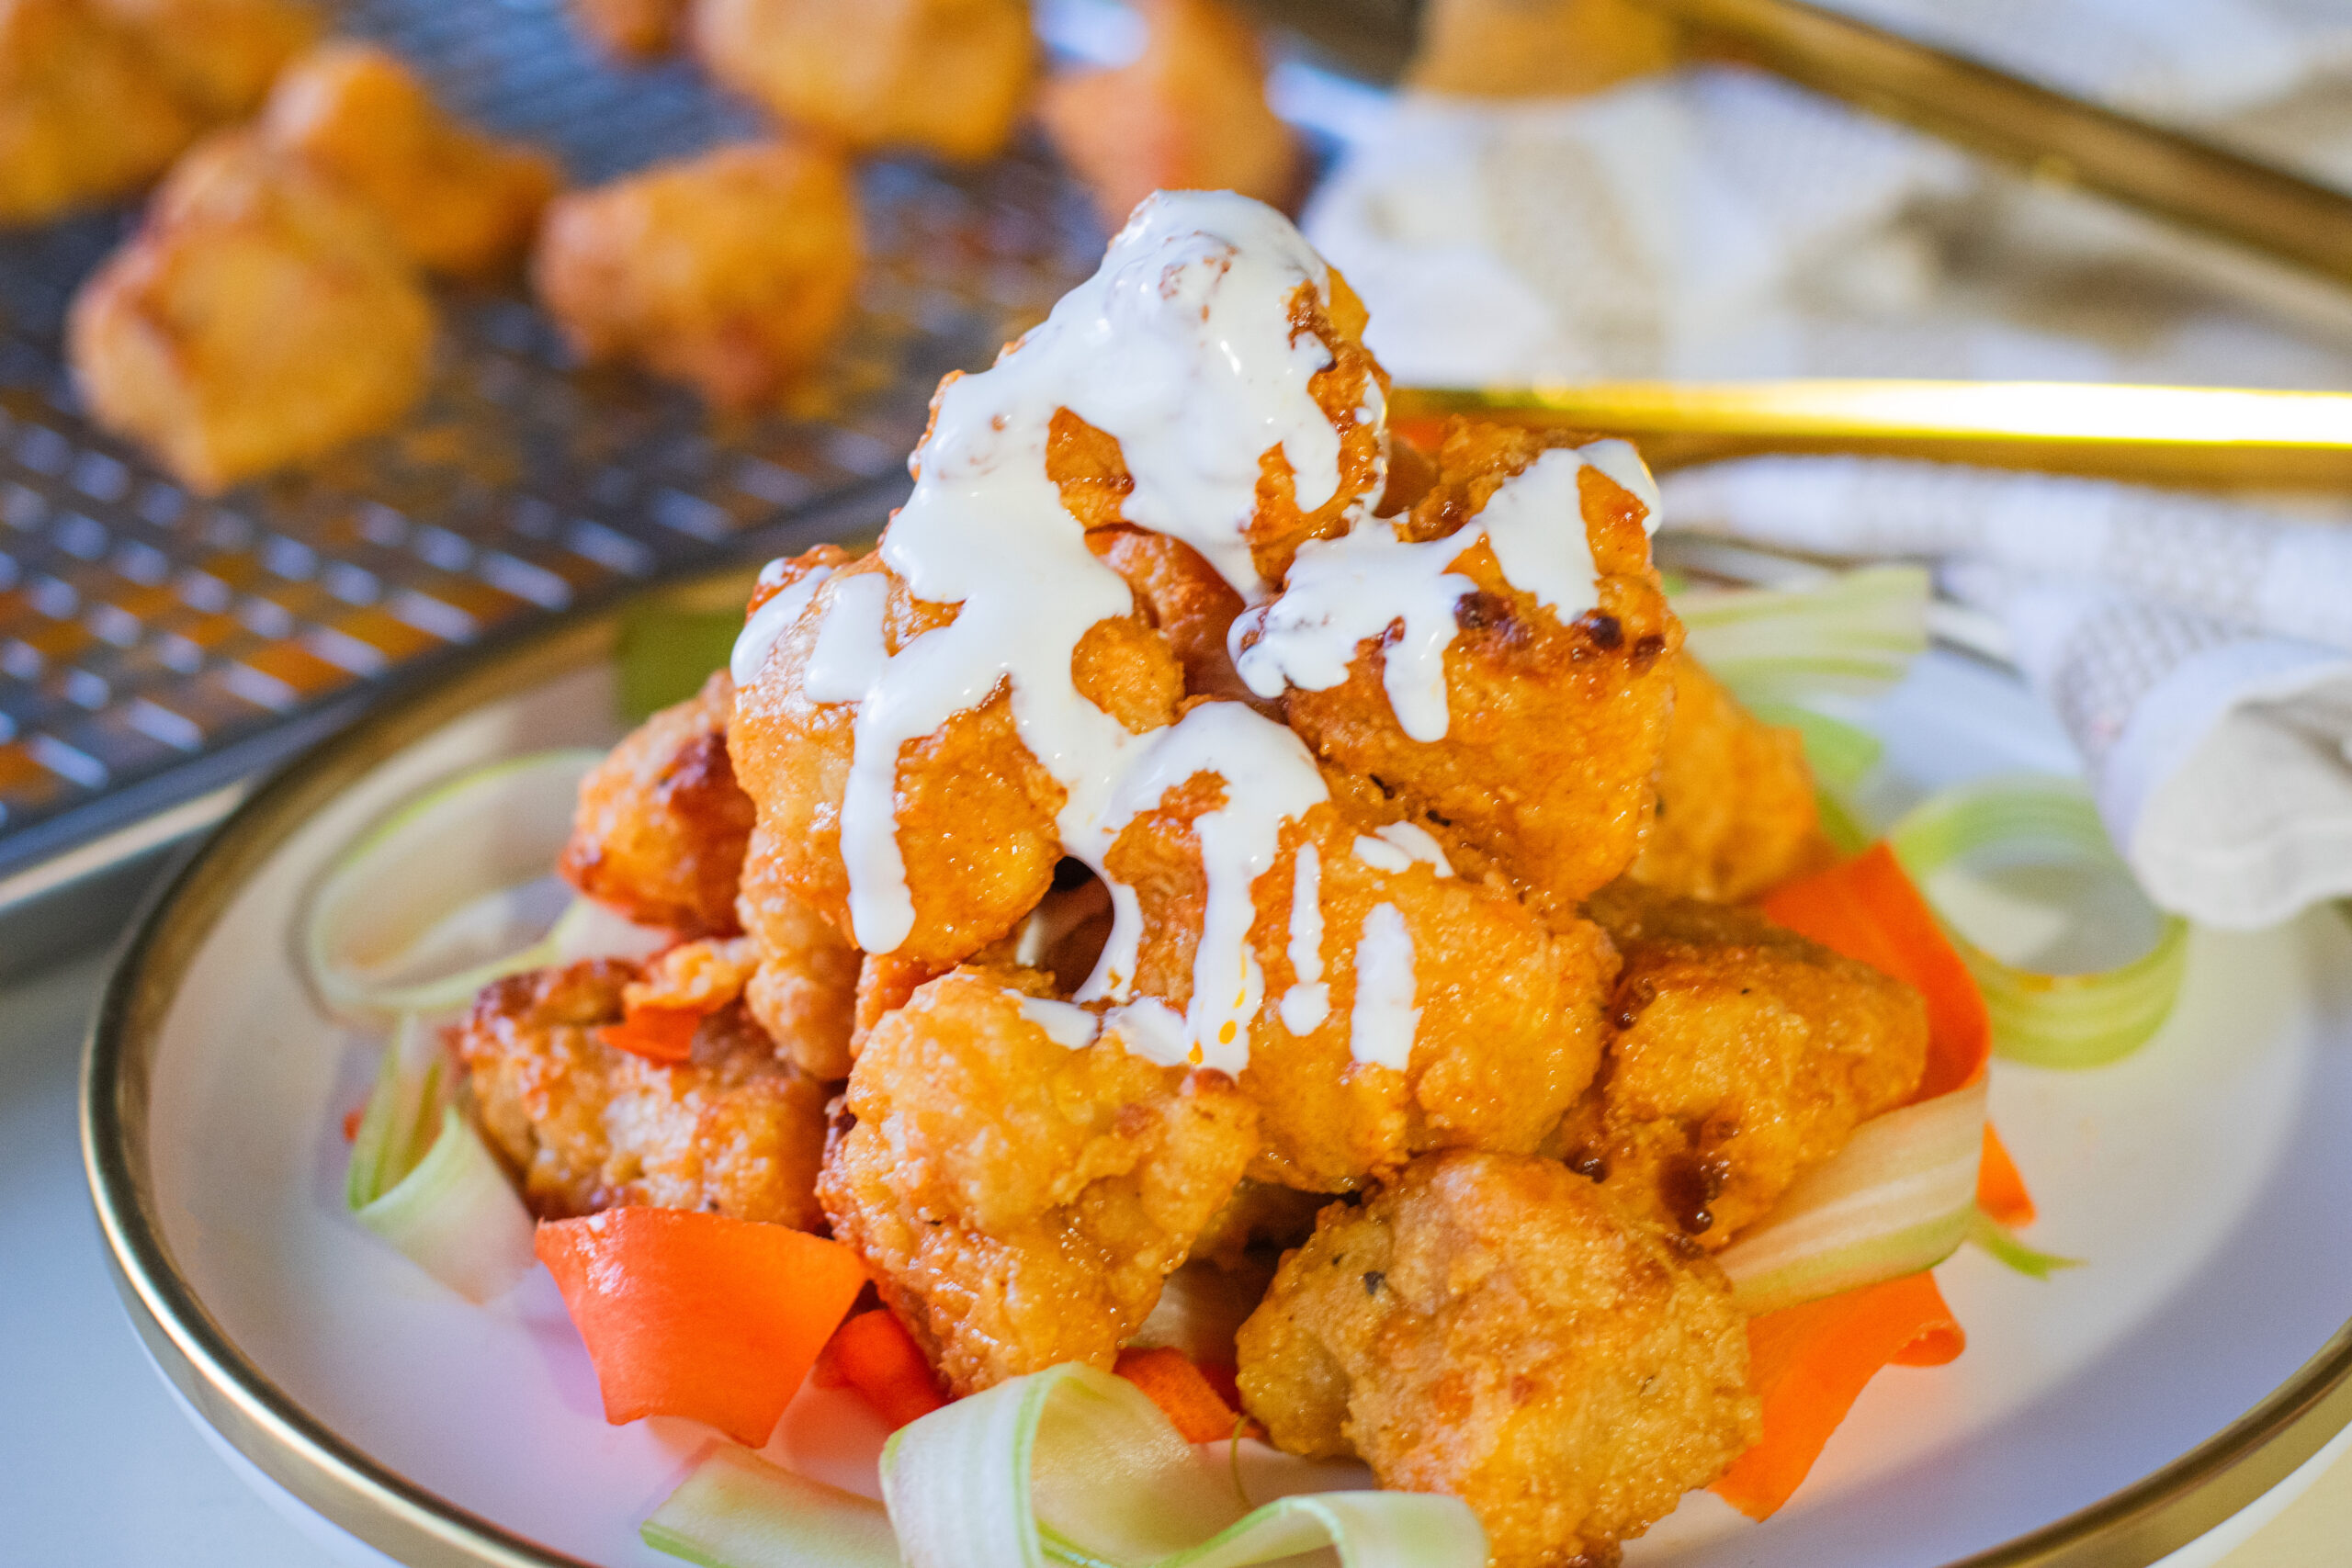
{"type": "Point", "coordinates": [1418, 842]}
{"type": "Point", "coordinates": [1308, 1002]}
{"type": "Point", "coordinates": [1181, 347]}
{"type": "Point", "coordinates": [768, 624]}
{"type": "Point", "coordinates": [1370, 583]}
{"type": "Point", "coordinates": [1066, 1024]}
{"type": "Point", "coordinates": [1381, 1026]}
{"type": "Point", "coordinates": [1382, 856]}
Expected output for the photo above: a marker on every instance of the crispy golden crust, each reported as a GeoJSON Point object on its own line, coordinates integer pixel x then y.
{"type": "Point", "coordinates": [975, 812]}
{"type": "Point", "coordinates": [1509, 1012]}
{"type": "Point", "coordinates": [805, 993]}
{"type": "Point", "coordinates": [455, 200]}
{"type": "Point", "coordinates": [1553, 730]}
{"type": "Point", "coordinates": [1185, 601]}
{"type": "Point", "coordinates": [1494, 1328]}
{"type": "Point", "coordinates": [1189, 114]}
{"type": "Point", "coordinates": [734, 271]}
{"type": "Point", "coordinates": [632, 30]}
{"type": "Point", "coordinates": [951, 76]}
{"type": "Point", "coordinates": [1088, 467]}
{"type": "Point", "coordinates": [1019, 1203]}
{"type": "Point", "coordinates": [1736, 814]}
{"type": "Point", "coordinates": [661, 827]}
{"type": "Point", "coordinates": [734, 1130]}
{"type": "Point", "coordinates": [1743, 1055]}
{"type": "Point", "coordinates": [260, 316]}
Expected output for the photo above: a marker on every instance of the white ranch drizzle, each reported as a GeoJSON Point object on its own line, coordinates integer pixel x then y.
{"type": "Point", "coordinates": [1380, 855]}
{"type": "Point", "coordinates": [1370, 583]}
{"type": "Point", "coordinates": [768, 624]}
{"type": "Point", "coordinates": [1381, 1026]}
{"type": "Point", "coordinates": [1419, 843]}
{"type": "Point", "coordinates": [1066, 1024]}
{"type": "Point", "coordinates": [1179, 347]}
{"type": "Point", "coordinates": [1308, 1002]}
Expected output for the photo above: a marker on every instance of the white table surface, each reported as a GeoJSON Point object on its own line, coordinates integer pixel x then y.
{"type": "Point", "coordinates": [99, 1469]}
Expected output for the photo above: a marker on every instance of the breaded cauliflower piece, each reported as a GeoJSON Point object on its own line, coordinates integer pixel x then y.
{"type": "Point", "coordinates": [1553, 730]}
{"type": "Point", "coordinates": [732, 1131]}
{"type": "Point", "coordinates": [661, 827]}
{"type": "Point", "coordinates": [81, 115]}
{"type": "Point", "coordinates": [1189, 114]}
{"type": "Point", "coordinates": [633, 30]}
{"type": "Point", "coordinates": [216, 57]}
{"type": "Point", "coordinates": [1743, 1055]}
{"type": "Point", "coordinates": [1021, 1201]}
{"type": "Point", "coordinates": [975, 812]}
{"type": "Point", "coordinates": [1089, 468]}
{"type": "Point", "coordinates": [1735, 813]}
{"type": "Point", "coordinates": [949, 76]}
{"type": "Point", "coordinates": [1494, 1328]}
{"type": "Point", "coordinates": [1186, 601]}
{"type": "Point", "coordinates": [733, 271]}
{"type": "Point", "coordinates": [260, 316]}
{"type": "Point", "coordinates": [457, 201]}
{"type": "Point", "coordinates": [1486, 1025]}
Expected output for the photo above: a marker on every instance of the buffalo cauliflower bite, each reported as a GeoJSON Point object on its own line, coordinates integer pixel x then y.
{"type": "Point", "coordinates": [661, 827]}
{"type": "Point", "coordinates": [1553, 730]}
{"type": "Point", "coordinates": [733, 271]}
{"type": "Point", "coordinates": [261, 315]}
{"type": "Point", "coordinates": [1189, 114]}
{"type": "Point", "coordinates": [1735, 812]}
{"type": "Point", "coordinates": [732, 1131]}
{"type": "Point", "coordinates": [1091, 471]}
{"type": "Point", "coordinates": [1498, 1016]}
{"type": "Point", "coordinates": [975, 812]}
{"type": "Point", "coordinates": [1494, 1328]}
{"type": "Point", "coordinates": [1742, 1055]}
{"type": "Point", "coordinates": [457, 201]}
{"type": "Point", "coordinates": [1020, 1201]}
{"type": "Point", "coordinates": [950, 76]}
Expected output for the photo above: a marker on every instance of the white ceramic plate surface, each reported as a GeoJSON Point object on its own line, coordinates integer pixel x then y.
{"type": "Point", "coordinates": [2204, 1182]}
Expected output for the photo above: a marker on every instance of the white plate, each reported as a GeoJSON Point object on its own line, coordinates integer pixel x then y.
{"type": "Point", "coordinates": [2205, 1180]}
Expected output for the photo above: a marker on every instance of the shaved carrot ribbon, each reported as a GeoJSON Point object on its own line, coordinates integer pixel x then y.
{"type": "Point", "coordinates": [2000, 1190]}
{"type": "Point", "coordinates": [700, 1315]}
{"type": "Point", "coordinates": [873, 1354]}
{"type": "Point", "coordinates": [657, 1034]}
{"type": "Point", "coordinates": [1184, 1395]}
{"type": "Point", "coordinates": [1809, 1363]}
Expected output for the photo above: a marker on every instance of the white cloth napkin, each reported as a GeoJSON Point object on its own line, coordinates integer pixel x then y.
{"type": "Point", "coordinates": [2200, 653]}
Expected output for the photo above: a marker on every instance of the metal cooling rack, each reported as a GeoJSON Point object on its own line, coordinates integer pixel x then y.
{"type": "Point", "coordinates": [148, 635]}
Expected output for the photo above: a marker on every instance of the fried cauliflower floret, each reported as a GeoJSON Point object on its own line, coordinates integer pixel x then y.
{"type": "Point", "coordinates": [1553, 730]}
{"type": "Point", "coordinates": [633, 30]}
{"type": "Point", "coordinates": [1189, 114]}
{"type": "Point", "coordinates": [733, 271]}
{"type": "Point", "coordinates": [1735, 813]}
{"type": "Point", "coordinates": [1091, 471]}
{"type": "Point", "coordinates": [732, 1131]}
{"type": "Point", "coordinates": [1494, 1328]}
{"type": "Point", "coordinates": [260, 316]}
{"type": "Point", "coordinates": [457, 201]}
{"type": "Point", "coordinates": [1743, 1055]}
{"type": "Point", "coordinates": [218, 57]}
{"type": "Point", "coordinates": [1495, 1017]}
{"type": "Point", "coordinates": [661, 826]}
{"type": "Point", "coordinates": [1018, 1201]}
{"type": "Point", "coordinates": [948, 76]}
{"type": "Point", "coordinates": [1511, 49]}
{"type": "Point", "coordinates": [82, 116]}
{"type": "Point", "coordinates": [975, 812]}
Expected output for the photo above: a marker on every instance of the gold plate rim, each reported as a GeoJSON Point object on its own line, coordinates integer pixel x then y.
{"type": "Point", "coordinates": [2132, 1528]}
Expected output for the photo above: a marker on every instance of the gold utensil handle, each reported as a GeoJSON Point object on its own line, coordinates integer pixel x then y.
{"type": "Point", "coordinates": [2053, 136]}
{"type": "Point", "coordinates": [2202, 435]}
